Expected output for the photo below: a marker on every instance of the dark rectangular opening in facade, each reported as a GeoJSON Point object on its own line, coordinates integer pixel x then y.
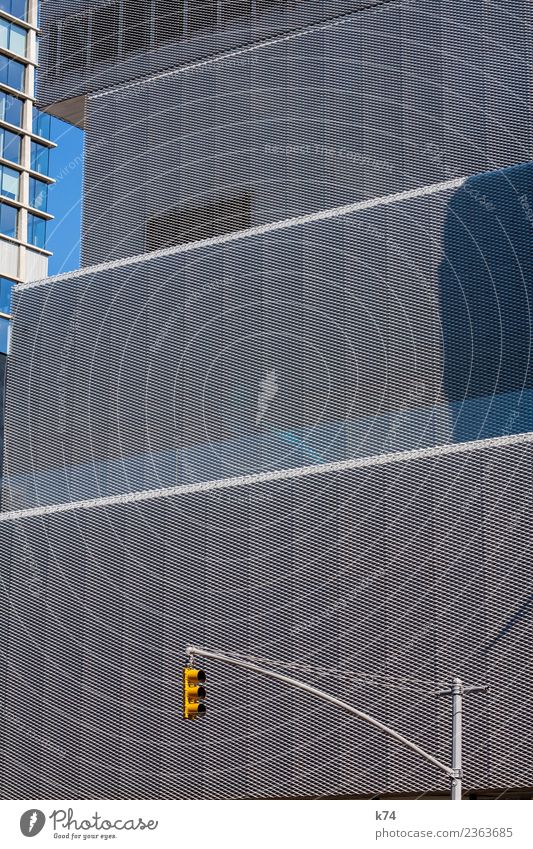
{"type": "Point", "coordinates": [168, 21]}
{"type": "Point", "coordinates": [74, 36]}
{"type": "Point", "coordinates": [236, 10]}
{"type": "Point", "coordinates": [180, 225]}
{"type": "Point", "coordinates": [202, 15]}
{"type": "Point", "coordinates": [104, 40]}
{"type": "Point", "coordinates": [136, 23]}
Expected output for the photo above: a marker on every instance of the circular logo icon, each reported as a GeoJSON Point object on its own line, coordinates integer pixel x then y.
{"type": "Point", "coordinates": [32, 822]}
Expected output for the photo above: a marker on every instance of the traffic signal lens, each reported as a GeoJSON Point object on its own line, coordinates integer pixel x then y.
{"type": "Point", "coordinates": [194, 676]}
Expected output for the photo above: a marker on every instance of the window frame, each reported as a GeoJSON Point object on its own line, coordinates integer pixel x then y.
{"type": "Point", "coordinates": [13, 30]}
{"type": "Point", "coordinates": [7, 98]}
{"type": "Point", "coordinates": [36, 119]}
{"type": "Point", "coordinates": [32, 238]}
{"type": "Point", "coordinates": [42, 191]}
{"type": "Point", "coordinates": [6, 171]}
{"type": "Point", "coordinates": [4, 133]}
{"type": "Point", "coordinates": [12, 8]}
{"type": "Point", "coordinates": [11, 64]}
{"type": "Point", "coordinates": [6, 290]}
{"type": "Point", "coordinates": [35, 159]}
{"type": "Point", "coordinates": [14, 211]}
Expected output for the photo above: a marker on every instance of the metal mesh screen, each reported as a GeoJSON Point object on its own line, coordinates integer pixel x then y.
{"type": "Point", "coordinates": [414, 570]}
{"type": "Point", "coordinates": [400, 326]}
{"type": "Point", "coordinates": [310, 353]}
{"type": "Point", "coordinates": [127, 39]}
{"type": "Point", "coordinates": [388, 99]}
{"type": "Point", "coordinates": [188, 224]}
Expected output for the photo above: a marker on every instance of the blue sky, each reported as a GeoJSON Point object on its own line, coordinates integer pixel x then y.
{"type": "Point", "coordinates": [64, 198]}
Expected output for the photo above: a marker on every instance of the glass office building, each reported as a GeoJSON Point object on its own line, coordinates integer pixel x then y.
{"type": "Point", "coordinates": [23, 132]}
{"type": "Point", "coordinates": [23, 254]}
{"type": "Point", "coordinates": [292, 406]}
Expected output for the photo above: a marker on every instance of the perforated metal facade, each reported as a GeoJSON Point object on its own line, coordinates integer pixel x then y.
{"type": "Point", "coordinates": [90, 44]}
{"type": "Point", "coordinates": [395, 97]}
{"type": "Point", "coordinates": [280, 428]}
{"type": "Point", "coordinates": [418, 569]}
{"type": "Point", "coordinates": [402, 325]}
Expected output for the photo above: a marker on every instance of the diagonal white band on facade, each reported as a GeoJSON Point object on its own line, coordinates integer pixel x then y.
{"type": "Point", "coordinates": [269, 41]}
{"type": "Point", "coordinates": [268, 477]}
{"type": "Point", "coordinates": [260, 229]}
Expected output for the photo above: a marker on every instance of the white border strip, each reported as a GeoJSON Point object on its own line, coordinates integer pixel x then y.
{"type": "Point", "coordinates": [259, 230]}
{"type": "Point", "coordinates": [267, 477]}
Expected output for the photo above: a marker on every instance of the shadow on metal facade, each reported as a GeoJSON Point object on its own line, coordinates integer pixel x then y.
{"type": "Point", "coordinates": [400, 326]}
{"type": "Point", "coordinates": [387, 100]}
{"type": "Point", "coordinates": [385, 338]}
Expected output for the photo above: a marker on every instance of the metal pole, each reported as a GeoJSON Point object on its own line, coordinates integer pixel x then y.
{"type": "Point", "coordinates": [300, 685]}
{"type": "Point", "coordinates": [457, 739]}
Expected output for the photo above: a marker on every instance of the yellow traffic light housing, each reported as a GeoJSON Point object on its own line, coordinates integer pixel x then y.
{"type": "Point", "coordinates": [193, 693]}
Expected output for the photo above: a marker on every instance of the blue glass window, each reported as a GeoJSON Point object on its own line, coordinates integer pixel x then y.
{"type": "Point", "coordinates": [12, 73]}
{"type": "Point", "coordinates": [36, 230]}
{"type": "Point", "coordinates": [38, 194]}
{"type": "Point", "coordinates": [9, 182]}
{"type": "Point", "coordinates": [12, 37]}
{"type": "Point", "coordinates": [41, 124]}
{"type": "Point", "coordinates": [8, 220]}
{"type": "Point", "coordinates": [10, 108]}
{"type": "Point", "coordinates": [4, 335]}
{"type": "Point", "coordinates": [9, 145]}
{"type": "Point", "coordinates": [39, 158]}
{"type": "Point", "coordinates": [6, 287]}
{"type": "Point", "coordinates": [15, 7]}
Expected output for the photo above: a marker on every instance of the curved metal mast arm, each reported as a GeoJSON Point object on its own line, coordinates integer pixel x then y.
{"type": "Point", "coordinates": [307, 688]}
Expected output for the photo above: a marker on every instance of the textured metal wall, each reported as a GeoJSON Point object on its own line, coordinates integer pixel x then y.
{"type": "Point", "coordinates": [418, 570]}
{"type": "Point", "coordinates": [395, 327]}
{"type": "Point", "coordinates": [390, 98]}
{"type": "Point", "coordinates": [90, 44]}
{"type": "Point", "coordinates": [3, 359]}
{"type": "Point", "coordinates": [404, 325]}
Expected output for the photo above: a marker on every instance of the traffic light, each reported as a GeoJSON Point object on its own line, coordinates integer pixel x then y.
{"type": "Point", "coordinates": [193, 693]}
